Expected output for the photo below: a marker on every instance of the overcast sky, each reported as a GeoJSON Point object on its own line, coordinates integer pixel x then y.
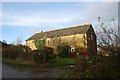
{"type": "Point", "coordinates": [23, 19]}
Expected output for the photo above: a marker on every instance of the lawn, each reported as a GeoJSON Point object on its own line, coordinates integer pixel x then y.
{"type": "Point", "coordinates": [58, 62]}
{"type": "Point", "coordinates": [63, 62]}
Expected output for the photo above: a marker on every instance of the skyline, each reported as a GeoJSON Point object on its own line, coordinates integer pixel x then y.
{"type": "Point", "coordinates": [23, 19]}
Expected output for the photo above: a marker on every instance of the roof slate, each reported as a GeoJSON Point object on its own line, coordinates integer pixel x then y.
{"type": "Point", "coordinates": [61, 32]}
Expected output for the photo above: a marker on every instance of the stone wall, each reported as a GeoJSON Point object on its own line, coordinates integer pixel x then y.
{"type": "Point", "coordinates": [78, 40]}
{"type": "Point", "coordinates": [31, 44]}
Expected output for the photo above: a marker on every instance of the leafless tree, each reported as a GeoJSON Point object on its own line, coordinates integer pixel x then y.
{"type": "Point", "coordinates": [19, 41]}
{"type": "Point", "coordinates": [108, 38]}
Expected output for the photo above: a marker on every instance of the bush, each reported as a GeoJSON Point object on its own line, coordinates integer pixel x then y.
{"type": "Point", "coordinates": [82, 51]}
{"type": "Point", "coordinates": [48, 54]}
{"type": "Point", "coordinates": [63, 50]}
{"type": "Point", "coordinates": [25, 56]}
{"type": "Point", "coordinates": [43, 55]}
{"type": "Point", "coordinates": [96, 67]}
{"type": "Point", "coordinates": [72, 54]}
{"type": "Point", "coordinates": [38, 56]}
{"type": "Point", "coordinates": [78, 51]}
{"type": "Point", "coordinates": [14, 52]}
{"type": "Point", "coordinates": [11, 52]}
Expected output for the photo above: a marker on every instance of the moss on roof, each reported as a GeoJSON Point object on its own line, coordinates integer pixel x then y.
{"type": "Point", "coordinates": [61, 32]}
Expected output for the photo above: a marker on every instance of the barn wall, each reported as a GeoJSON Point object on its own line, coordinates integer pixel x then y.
{"type": "Point", "coordinates": [31, 44]}
{"type": "Point", "coordinates": [91, 41]}
{"type": "Point", "coordinates": [78, 40]}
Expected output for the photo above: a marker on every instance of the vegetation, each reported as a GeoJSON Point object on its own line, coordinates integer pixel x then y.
{"type": "Point", "coordinates": [63, 62]}
{"type": "Point", "coordinates": [44, 55]}
{"type": "Point", "coordinates": [22, 64]}
{"type": "Point", "coordinates": [17, 52]}
{"type": "Point", "coordinates": [108, 37]}
{"type": "Point", "coordinates": [100, 66]}
{"type": "Point", "coordinates": [96, 67]}
{"type": "Point", "coordinates": [40, 44]}
{"type": "Point", "coordinates": [63, 50]}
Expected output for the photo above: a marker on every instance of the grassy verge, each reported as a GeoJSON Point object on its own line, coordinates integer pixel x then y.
{"type": "Point", "coordinates": [15, 63]}
{"type": "Point", "coordinates": [58, 62]}
{"type": "Point", "coordinates": [63, 62]}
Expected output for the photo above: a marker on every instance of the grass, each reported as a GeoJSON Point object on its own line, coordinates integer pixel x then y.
{"type": "Point", "coordinates": [15, 63]}
{"type": "Point", "coordinates": [63, 62]}
{"type": "Point", "coordinates": [58, 62]}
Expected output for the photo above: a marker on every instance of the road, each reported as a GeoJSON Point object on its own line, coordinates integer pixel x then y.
{"type": "Point", "coordinates": [44, 72]}
{"type": "Point", "coordinates": [9, 72]}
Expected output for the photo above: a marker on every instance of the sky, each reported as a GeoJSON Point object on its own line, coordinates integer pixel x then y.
{"type": "Point", "coordinates": [23, 19]}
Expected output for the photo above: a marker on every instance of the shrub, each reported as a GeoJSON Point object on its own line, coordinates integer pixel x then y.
{"type": "Point", "coordinates": [15, 51]}
{"type": "Point", "coordinates": [43, 55]}
{"type": "Point", "coordinates": [37, 56]}
{"type": "Point", "coordinates": [11, 52]}
{"type": "Point", "coordinates": [25, 56]}
{"type": "Point", "coordinates": [72, 54]}
{"type": "Point", "coordinates": [48, 53]}
{"type": "Point", "coordinates": [96, 67]}
{"type": "Point", "coordinates": [82, 51]}
{"type": "Point", "coordinates": [63, 50]}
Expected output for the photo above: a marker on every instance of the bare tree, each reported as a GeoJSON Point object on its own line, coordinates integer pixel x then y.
{"type": "Point", "coordinates": [19, 41]}
{"type": "Point", "coordinates": [108, 37]}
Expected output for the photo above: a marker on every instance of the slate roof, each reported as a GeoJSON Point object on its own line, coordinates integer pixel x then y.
{"type": "Point", "coordinates": [61, 32]}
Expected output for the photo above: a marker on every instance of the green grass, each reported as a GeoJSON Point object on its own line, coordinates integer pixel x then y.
{"type": "Point", "coordinates": [63, 62]}
{"type": "Point", "coordinates": [15, 63]}
{"type": "Point", "coordinates": [58, 62]}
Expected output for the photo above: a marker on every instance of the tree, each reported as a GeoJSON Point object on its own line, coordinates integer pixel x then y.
{"type": "Point", "coordinates": [108, 37]}
{"type": "Point", "coordinates": [19, 41]}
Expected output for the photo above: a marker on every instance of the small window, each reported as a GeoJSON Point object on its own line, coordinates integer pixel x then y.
{"type": "Point", "coordinates": [91, 37]}
{"type": "Point", "coordinates": [72, 49]}
{"type": "Point", "coordinates": [88, 38]}
{"type": "Point", "coordinates": [83, 36]}
{"type": "Point", "coordinates": [53, 40]}
{"type": "Point", "coordinates": [48, 41]}
{"type": "Point", "coordinates": [59, 40]}
{"type": "Point", "coordinates": [84, 42]}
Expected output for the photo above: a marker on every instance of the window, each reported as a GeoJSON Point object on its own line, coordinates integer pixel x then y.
{"type": "Point", "coordinates": [53, 40]}
{"type": "Point", "coordinates": [85, 43]}
{"type": "Point", "coordinates": [91, 37]}
{"type": "Point", "coordinates": [83, 36]}
{"type": "Point", "coordinates": [48, 41]}
{"type": "Point", "coordinates": [59, 40]}
{"type": "Point", "coordinates": [72, 49]}
{"type": "Point", "coordinates": [88, 38]}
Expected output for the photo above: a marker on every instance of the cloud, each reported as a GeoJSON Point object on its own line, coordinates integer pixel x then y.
{"type": "Point", "coordinates": [80, 13]}
{"type": "Point", "coordinates": [106, 10]}
{"type": "Point", "coordinates": [36, 20]}
{"type": "Point", "coordinates": [33, 18]}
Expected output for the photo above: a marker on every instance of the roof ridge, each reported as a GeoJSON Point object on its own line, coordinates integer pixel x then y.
{"type": "Point", "coordinates": [66, 28]}
{"type": "Point", "coordinates": [63, 31]}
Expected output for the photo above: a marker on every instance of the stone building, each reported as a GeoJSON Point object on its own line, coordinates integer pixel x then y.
{"type": "Point", "coordinates": [77, 37]}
